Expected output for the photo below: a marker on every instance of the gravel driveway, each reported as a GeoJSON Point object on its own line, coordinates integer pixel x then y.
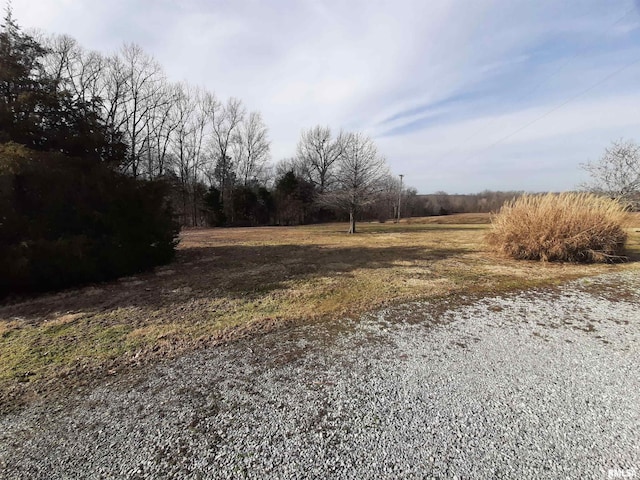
{"type": "Point", "coordinates": [541, 384]}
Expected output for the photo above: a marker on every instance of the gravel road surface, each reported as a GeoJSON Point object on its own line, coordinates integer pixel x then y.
{"type": "Point", "coordinates": [539, 384]}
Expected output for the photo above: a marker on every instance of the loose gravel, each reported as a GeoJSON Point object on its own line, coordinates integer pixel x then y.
{"type": "Point", "coordinates": [539, 384]}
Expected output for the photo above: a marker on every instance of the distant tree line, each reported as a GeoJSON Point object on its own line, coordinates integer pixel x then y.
{"type": "Point", "coordinates": [214, 153]}
{"type": "Point", "coordinates": [442, 203]}
{"type": "Point", "coordinates": [199, 144]}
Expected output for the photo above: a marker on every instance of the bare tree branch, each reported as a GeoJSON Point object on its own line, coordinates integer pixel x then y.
{"type": "Point", "coordinates": [359, 177]}
{"type": "Point", "coordinates": [617, 173]}
{"type": "Point", "coordinates": [251, 148]}
{"type": "Point", "coordinates": [317, 153]}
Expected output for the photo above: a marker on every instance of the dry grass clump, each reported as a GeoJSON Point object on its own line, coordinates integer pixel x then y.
{"type": "Point", "coordinates": [572, 227]}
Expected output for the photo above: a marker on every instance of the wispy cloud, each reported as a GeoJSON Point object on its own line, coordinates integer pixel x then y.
{"type": "Point", "coordinates": [436, 83]}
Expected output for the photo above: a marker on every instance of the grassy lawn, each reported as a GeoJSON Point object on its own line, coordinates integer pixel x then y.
{"type": "Point", "coordinates": [227, 283]}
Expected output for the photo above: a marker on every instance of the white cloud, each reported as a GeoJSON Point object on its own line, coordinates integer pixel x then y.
{"type": "Point", "coordinates": [355, 64]}
{"type": "Point", "coordinates": [462, 157]}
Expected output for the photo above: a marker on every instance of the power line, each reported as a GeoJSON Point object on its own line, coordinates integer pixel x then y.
{"type": "Point", "coordinates": [545, 80]}
{"type": "Point", "coordinates": [578, 53]}
{"type": "Point", "coordinates": [558, 107]}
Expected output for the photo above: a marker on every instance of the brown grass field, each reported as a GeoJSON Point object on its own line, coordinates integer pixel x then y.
{"type": "Point", "coordinates": [227, 283]}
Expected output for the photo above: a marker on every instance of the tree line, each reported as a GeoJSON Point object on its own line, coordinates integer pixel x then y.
{"type": "Point", "coordinates": [215, 153]}
{"type": "Point", "coordinates": [102, 159]}
{"type": "Point", "coordinates": [172, 131]}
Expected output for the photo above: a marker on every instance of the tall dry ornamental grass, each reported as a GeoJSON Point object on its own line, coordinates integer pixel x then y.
{"type": "Point", "coordinates": [571, 227]}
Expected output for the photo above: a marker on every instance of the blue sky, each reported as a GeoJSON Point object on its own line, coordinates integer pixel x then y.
{"type": "Point", "coordinates": [460, 95]}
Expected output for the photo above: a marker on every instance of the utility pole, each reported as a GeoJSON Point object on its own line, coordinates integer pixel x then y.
{"type": "Point", "coordinates": [400, 197]}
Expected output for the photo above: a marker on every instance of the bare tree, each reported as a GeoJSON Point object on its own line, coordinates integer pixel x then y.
{"type": "Point", "coordinates": [78, 71]}
{"type": "Point", "coordinates": [359, 176]}
{"type": "Point", "coordinates": [251, 148]}
{"type": "Point", "coordinates": [390, 193]}
{"type": "Point", "coordinates": [285, 165]}
{"type": "Point", "coordinates": [95, 81]}
{"type": "Point", "coordinates": [144, 79]}
{"type": "Point", "coordinates": [225, 121]}
{"type": "Point", "coordinates": [191, 120]}
{"type": "Point", "coordinates": [114, 96]}
{"type": "Point", "coordinates": [158, 129]}
{"type": "Point", "coordinates": [317, 153]}
{"type": "Point", "coordinates": [88, 79]}
{"type": "Point", "coordinates": [617, 173]}
{"type": "Point", "coordinates": [60, 61]}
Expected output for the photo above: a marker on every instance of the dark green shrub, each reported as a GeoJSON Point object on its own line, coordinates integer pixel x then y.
{"type": "Point", "coordinates": [65, 221]}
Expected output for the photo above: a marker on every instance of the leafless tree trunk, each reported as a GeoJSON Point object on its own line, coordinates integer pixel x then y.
{"type": "Point", "coordinates": [158, 130]}
{"type": "Point", "coordinates": [360, 174]}
{"type": "Point", "coordinates": [200, 123]}
{"type": "Point", "coordinates": [61, 60]}
{"type": "Point", "coordinates": [390, 194]}
{"type": "Point", "coordinates": [225, 121]}
{"type": "Point", "coordinates": [182, 116]}
{"type": "Point", "coordinates": [144, 80]}
{"type": "Point", "coordinates": [251, 148]}
{"type": "Point", "coordinates": [114, 96]}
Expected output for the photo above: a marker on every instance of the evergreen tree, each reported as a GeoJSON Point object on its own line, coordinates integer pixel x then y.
{"type": "Point", "coordinates": [66, 216]}
{"type": "Point", "coordinates": [37, 112]}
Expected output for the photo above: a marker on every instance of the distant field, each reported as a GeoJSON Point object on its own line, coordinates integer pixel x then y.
{"type": "Point", "coordinates": [458, 218]}
{"type": "Point", "coordinates": [227, 283]}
